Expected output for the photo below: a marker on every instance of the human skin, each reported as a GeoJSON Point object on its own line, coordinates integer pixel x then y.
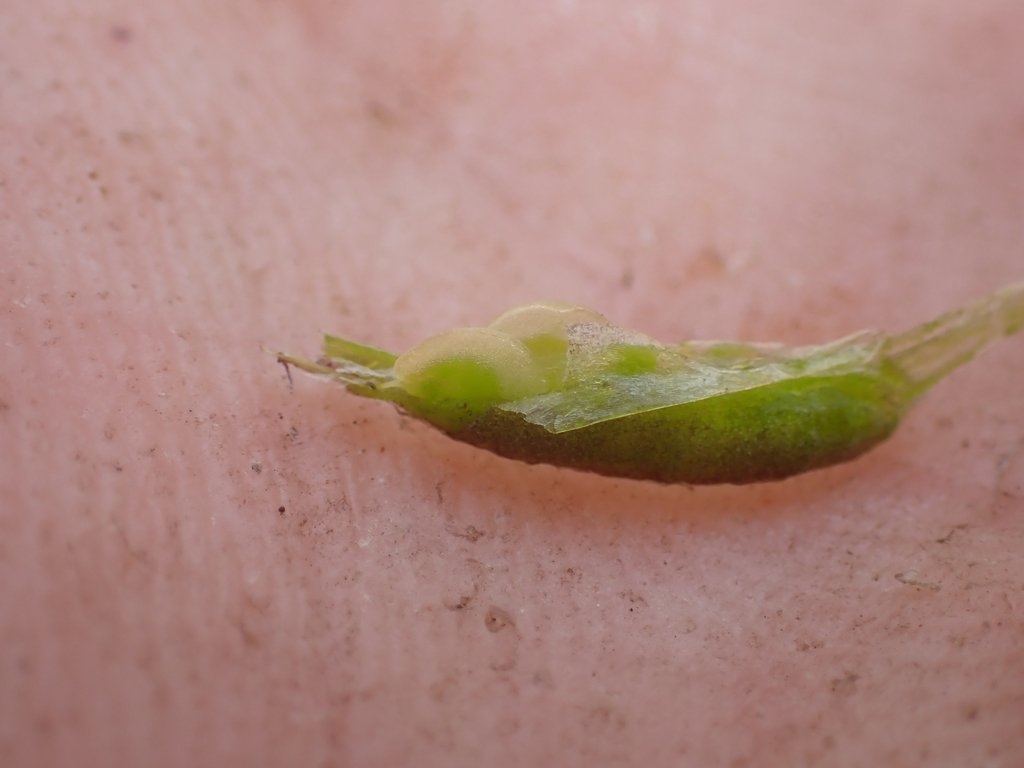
{"type": "Point", "coordinates": [202, 564]}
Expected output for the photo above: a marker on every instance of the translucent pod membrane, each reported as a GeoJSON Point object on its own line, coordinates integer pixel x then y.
{"type": "Point", "coordinates": [456, 376]}
{"type": "Point", "coordinates": [929, 352]}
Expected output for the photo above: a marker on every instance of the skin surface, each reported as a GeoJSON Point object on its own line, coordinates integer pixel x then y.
{"type": "Point", "coordinates": [201, 566]}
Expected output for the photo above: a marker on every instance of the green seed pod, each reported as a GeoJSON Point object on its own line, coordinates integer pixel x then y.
{"type": "Point", "coordinates": [558, 384]}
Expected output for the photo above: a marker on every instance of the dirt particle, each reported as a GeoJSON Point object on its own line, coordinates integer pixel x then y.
{"type": "Point", "coordinates": [121, 34]}
{"type": "Point", "coordinates": [911, 579]}
{"type": "Point", "coordinates": [604, 719]}
{"type": "Point", "coordinates": [952, 531]}
{"type": "Point", "coordinates": [708, 262]}
{"type": "Point", "coordinates": [497, 619]}
{"type": "Point", "coordinates": [458, 604]}
{"type": "Point", "coordinates": [846, 685]}
{"type": "Point", "coordinates": [571, 576]}
{"type": "Point", "coordinates": [634, 599]}
{"type": "Point", "coordinates": [380, 113]}
{"type": "Point", "coordinates": [281, 510]}
{"type": "Point", "coordinates": [471, 533]}
{"type": "Point", "coordinates": [249, 637]}
{"type": "Point", "coordinates": [811, 645]}
{"type": "Point", "coordinates": [627, 278]}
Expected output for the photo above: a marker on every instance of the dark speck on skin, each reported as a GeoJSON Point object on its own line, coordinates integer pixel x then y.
{"type": "Point", "coordinates": [121, 34]}
{"type": "Point", "coordinates": [627, 278]}
{"type": "Point", "coordinates": [911, 579]}
{"type": "Point", "coordinates": [952, 532]}
{"type": "Point", "coordinates": [846, 685]}
{"type": "Point", "coordinates": [496, 619]}
{"type": "Point", "coordinates": [470, 533]}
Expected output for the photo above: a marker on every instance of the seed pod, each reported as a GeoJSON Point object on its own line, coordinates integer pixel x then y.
{"type": "Point", "coordinates": [558, 384]}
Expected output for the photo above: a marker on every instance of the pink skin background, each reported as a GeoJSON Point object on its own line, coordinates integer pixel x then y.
{"type": "Point", "coordinates": [202, 566]}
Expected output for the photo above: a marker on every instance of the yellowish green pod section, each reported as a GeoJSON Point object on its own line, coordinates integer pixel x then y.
{"type": "Point", "coordinates": [559, 384]}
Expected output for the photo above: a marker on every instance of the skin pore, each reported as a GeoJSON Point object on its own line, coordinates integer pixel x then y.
{"type": "Point", "coordinates": [204, 566]}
